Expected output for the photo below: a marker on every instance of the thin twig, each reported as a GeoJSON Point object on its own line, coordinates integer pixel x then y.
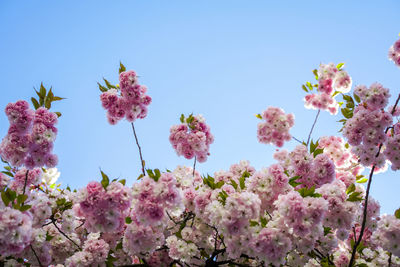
{"type": "Point", "coordinates": [364, 221]}
{"type": "Point", "coordinates": [37, 258]}
{"type": "Point", "coordinates": [140, 150]}
{"type": "Point", "coordinates": [390, 259]}
{"type": "Point", "coordinates": [294, 138]}
{"type": "Point", "coordinates": [270, 217]}
{"type": "Point", "coordinates": [194, 165]}
{"type": "Point", "coordinates": [25, 182]}
{"type": "Point", "coordinates": [312, 128]}
{"type": "Point", "coordinates": [67, 237]}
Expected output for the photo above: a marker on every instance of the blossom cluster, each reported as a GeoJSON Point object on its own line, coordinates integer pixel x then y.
{"type": "Point", "coordinates": [331, 81]}
{"type": "Point", "coordinates": [15, 231]}
{"type": "Point", "coordinates": [94, 253]}
{"type": "Point", "coordinates": [129, 102]}
{"type": "Point", "coordinates": [30, 136]}
{"type": "Point", "coordinates": [104, 209]}
{"type": "Point", "coordinates": [387, 234]}
{"type": "Point", "coordinates": [392, 147]}
{"type": "Point", "coordinates": [25, 178]}
{"type": "Point", "coordinates": [311, 170]}
{"type": "Point", "coordinates": [276, 127]}
{"type": "Point", "coordinates": [394, 53]}
{"type": "Point", "coordinates": [365, 131]}
{"type": "Point", "coordinates": [192, 138]}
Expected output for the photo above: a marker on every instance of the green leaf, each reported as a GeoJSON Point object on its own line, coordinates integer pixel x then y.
{"type": "Point", "coordinates": [58, 114]}
{"type": "Point", "coordinates": [241, 182]}
{"type": "Point", "coordinates": [12, 195]}
{"type": "Point", "coordinates": [121, 68]}
{"type": "Point", "coordinates": [67, 206]}
{"type": "Point", "coordinates": [47, 102]}
{"type": "Point", "coordinates": [108, 84]}
{"type": "Point", "coordinates": [397, 213]}
{"type": "Point", "coordinates": [25, 208]}
{"type": "Point", "coordinates": [57, 98]}
{"type": "Point", "coordinates": [350, 189]}
{"type": "Point", "coordinates": [157, 173]}
{"type": "Point", "coordinates": [128, 220]}
{"type": "Point", "coordinates": [362, 180]}
{"type": "Point", "coordinates": [304, 88]}
{"type": "Point", "coordinates": [292, 181]}
{"type": "Point", "coordinates": [354, 197]}
{"type": "Point", "coordinates": [222, 195]}
{"type": "Point", "coordinates": [21, 198]}
{"type": "Point", "coordinates": [8, 173]}
{"type": "Point", "coordinates": [38, 93]}
{"type": "Point", "coordinates": [253, 223]}
{"type": "Point", "coordinates": [339, 66]}
{"type": "Point", "coordinates": [263, 221]}
{"type": "Point", "coordinates": [105, 180]}
{"type": "Point", "coordinates": [219, 184]}
{"type": "Point", "coordinates": [150, 173]}
{"type": "Point", "coordinates": [350, 105]}
{"type": "Point", "coordinates": [234, 184]}
{"type": "Point", "coordinates": [347, 113]}
{"type": "Point", "coordinates": [140, 176]}
{"type": "Point", "coordinates": [318, 151]}
{"type": "Point", "coordinates": [259, 116]}
{"type": "Point", "coordinates": [357, 98]}
{"type": "Point", "coordinates": [308, 192]}
{"type": "Point", "coordinates": [35, 103]}
{"type": "Point", "coordinates": [335, 93]}
{"type": "Point", "coordinates": [60, 202]}
{"type": "Point", "coordinates": [42, 92]}
{"type": "Point", "coordinates": [315, 73]}
{"type": "Point", "coordinates": [8, 168]}
{"type": "Point", "coordinates": [182, 118]}
{"type": "Point", "coordinates": [190, 119]}
{"type": "Point", "coordinates": [313, 146]}
{"type": "Point", "coordinates": [50, 95]}
{"type": "Point", "coordinates": [327, 230]}
{"type": "Point", "coordinates": [119, 246]}
{"type": "Point", "coordinates": [309, 85]}
{"type": "Point", "coordinates": [347, 98]}
{"type": "Point", "coordinates": [49, 237]}
{"type": "Point", "coordinates": [122, 181]}
{"type": "Point", "coordinates": [102, 88]}
{"type": "Point", "coordinates": [5, 198]}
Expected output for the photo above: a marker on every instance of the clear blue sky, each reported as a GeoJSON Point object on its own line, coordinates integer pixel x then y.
{"type": "Point", "coordinates": [224, 59]}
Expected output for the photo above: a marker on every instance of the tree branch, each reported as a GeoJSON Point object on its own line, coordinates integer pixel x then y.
{"type": "Point", "coordinates": [66, 236]}
{"type": "Point", "coordinates": [194, 165]}
{"type": "Point", "coordinates": [140, 150]}
{"type": "Point", "coordinates": [37, 258]}
{"type": "Point", "coordinates": [312, 127]}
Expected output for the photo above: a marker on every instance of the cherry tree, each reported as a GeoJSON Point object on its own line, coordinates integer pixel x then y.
{"type": "Point", "coordinates": [309, 208]}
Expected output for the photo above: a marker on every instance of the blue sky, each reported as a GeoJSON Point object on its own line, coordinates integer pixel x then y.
{"type": "Point", "coordinates": [224, 59]}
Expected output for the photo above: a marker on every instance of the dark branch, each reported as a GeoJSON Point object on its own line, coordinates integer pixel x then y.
{"type": "Point", "coordinates": [140, 150]}
{"type": "Point", "coordinates": [66, 236]}
{"type": "Point", "coordinates": [37, 258]}
{"type": "Point", "coordinates": [194, 165]}
{"type": "Point", "coordinates": [312, 127]}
